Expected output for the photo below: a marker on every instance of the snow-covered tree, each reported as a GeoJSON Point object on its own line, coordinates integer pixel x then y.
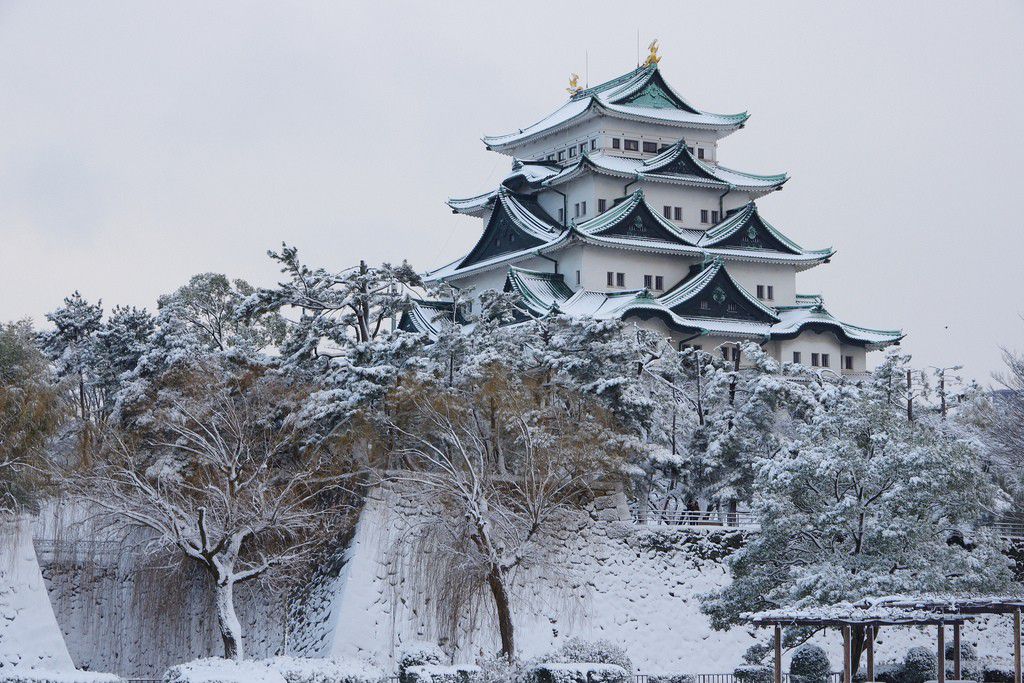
{"type": "Point", "coordinates": [30, 410]}
{"type": "Point", "coordinates": [861, 500]}
{"type": "Point", "coordinates": [70, 345]}
{"type": "Point", "coordinates": [494, 463]}
{"type": "Point", "coordinates": [223, 476]}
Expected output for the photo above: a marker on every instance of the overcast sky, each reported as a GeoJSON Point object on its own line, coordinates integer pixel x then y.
{"type": "Point", "coordinates": [141, 143]}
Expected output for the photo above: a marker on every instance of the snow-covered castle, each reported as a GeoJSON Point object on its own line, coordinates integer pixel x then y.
{"type": "Point", "coordinates": [617, 207]}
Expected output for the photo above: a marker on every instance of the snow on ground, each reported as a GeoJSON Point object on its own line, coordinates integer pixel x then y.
{"type": "Point", "coordinates": [637, 587]}
{"type": "Point", "coordinates": [29, 635]}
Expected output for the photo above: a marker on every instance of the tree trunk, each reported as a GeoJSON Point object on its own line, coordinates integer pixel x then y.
{"type": "Point", "coordinates": [496, 581]}
{"type": "Point", "coordinates": [227, 619]}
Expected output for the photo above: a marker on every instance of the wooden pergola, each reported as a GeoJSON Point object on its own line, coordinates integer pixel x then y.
{"type": "Point", "coordinates": [962, 605]}
{"type": "Point", "coordinates": [847, 615]}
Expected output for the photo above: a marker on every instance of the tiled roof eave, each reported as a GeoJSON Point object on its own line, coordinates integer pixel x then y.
{"type": "Point", "coordinates": [493, 141]}
{"type": "Point", "coordinates": [495, 262]}
{"type": "Point", "coordinates": [721, 126]}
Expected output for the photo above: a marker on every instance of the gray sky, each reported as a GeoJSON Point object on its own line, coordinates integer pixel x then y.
{"type": "Point", "coordinates": [141, 142]}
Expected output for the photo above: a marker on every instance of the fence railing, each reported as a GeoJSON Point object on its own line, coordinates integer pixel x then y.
{"type": "Point", "coordinates": [834, 677]}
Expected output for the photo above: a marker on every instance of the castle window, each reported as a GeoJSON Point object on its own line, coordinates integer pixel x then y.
{"type": "Point", "coordinates": [700, 152]}
{"type": "Point", "coordinates": [678, 211]}
{"type": "Point", "coordinates": [583, 147]}
{"type": "Point", "coordinates": [649, 281]}
{"type": "Point", "coordinates": [611, 279]}
{"type": "Point", "coordinates": [771, 293]}
{"type": "Point", "coordinates": [703, 215]}
{"type": "Point", "coordinates": [848, 362]}
{"type": "Point", "coordinates": [650, 146]}
{"type": "Point", "coordinates": [704, 305]}
{"type": "Point", "coordinates": [583, 208]}
{"type": "Point", "coordinates": [551, 157]}
{"type": "Point", "coordinates": [593, 144]}
{"type": "Point", "coordinates": [620, 279]}
{"type": "Point", "coordinates": [561, 216]}
{"type": "Point", "coordinates": [632, 145]}
{"type": "Point", "coordinates": [725, 352]}
{"type": "Point", "coordinates": [577, 277]}
{"type": "Point", "coordinates": [714, 216]}
{"type": "Point", "coordinates": [689, 149]}
{"type": "Point", "coordinates": [796, 356]}
{"type": "Point", "coordinates": [760, 291]}
{"type": "Point", "coordinates": [615, 143]}
{"type": "Point", "coordinates": [659, 282]}
{"type": "Point", "coordinates": [667, 210]}
{"type": "Point", "coordinates": [731, 308]}
{"type": "Point", "coordinates": [824, 360]}
{"type": "Point", "coordinates": [561, 155]}
{"type": "Point", "coordinates": [815, 361]}
{"type": "Point", "coordinates": [663, 148]}
{"type": "Point", "coordinates": [602, 204]}
{"type": "Point", "coordinates": [576, 210]}
{"type": "Point", "coordinates": [572, 152]}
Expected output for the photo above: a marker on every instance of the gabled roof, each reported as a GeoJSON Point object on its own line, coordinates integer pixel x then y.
{"type": "Point", "coordinates": [516, 223]}
{"type": "Point", "coordinates": [675, 165]}
{"type": "Point", "coordinates": [424, 315]}
{"type": "Point", "coordinates": [641, 95]}
{"type": "Point", "coordinates": [633, 223]}
{"type": "Point", "coordinates": [540, 292]}
{"type": "Point", "coordinates": [744, 233]}
{"type": "Point", "coordinates": [710, 291]}
{"type": "Point", "coordinates": [809, 313]}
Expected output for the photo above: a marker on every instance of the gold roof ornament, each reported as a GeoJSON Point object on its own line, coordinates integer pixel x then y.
{"type": "Point", "coordinates": [574, 85]}
{"type": "Point", "coordinates": [653, 57]}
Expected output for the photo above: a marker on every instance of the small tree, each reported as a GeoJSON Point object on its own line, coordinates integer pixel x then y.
{"type": "Point", "coordinates": [492, 518]}
{"type": "Point", "coordinates": [30, 411]}
{"type": "Point", "coordinates": [222, 478]}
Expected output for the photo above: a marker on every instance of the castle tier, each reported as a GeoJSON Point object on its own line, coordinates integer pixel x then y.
{"type": "Point", "coordinates": [617, 207]}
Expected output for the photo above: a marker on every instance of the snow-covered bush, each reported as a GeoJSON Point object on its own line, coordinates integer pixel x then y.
{"type": "Point", "coordinates": [918, 666]}
{"type": "Point", "coordinates": [218, 670]}
{"type": "Point", "coordinates": [436, 673]}
{"type": "Point", "coordinates": [888, 672]}
{"type": "Point", "coordinates": [418, 654]}
{"type": "Point", "coordinates": [580, 672]}
{"type": "Point", "coordinates": [753, 673]}
{"type": "Point", "coordinates": [19, 675]}
{"type": "Point", "coordinates": [997, 671]}
{"type": "Point", "coordinates": [301, 670]}
{"type": "Point", "coordinates": [809, 665]}
{"type": "Point", "coordinates": [500, 670]}
{"type": "Point", "coordinates": [967, 652]}
{"type": "Point", "coordinates": [671, 678]}
{"type": "Point", "coordinates": [578, 650]}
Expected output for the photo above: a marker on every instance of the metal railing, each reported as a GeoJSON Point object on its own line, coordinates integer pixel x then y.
{"type": "Point", "coordinates": [713, 518]}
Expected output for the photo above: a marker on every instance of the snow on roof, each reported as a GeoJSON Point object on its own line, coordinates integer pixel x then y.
{"type": "Point", "coordinates": [693, 286]}
{"type": "Point", "coordinates": [675, 165]}
{"type": "Point", "coordinates": [540, 292]}
{"type": "Point", "coordinates": [948, 602]}
{"type": "Point", "coordinates": [809, 311]}
{"type": "Point", "coordinates": [845, 613]}
{"type": "Point", "coordinates": [622, 97]}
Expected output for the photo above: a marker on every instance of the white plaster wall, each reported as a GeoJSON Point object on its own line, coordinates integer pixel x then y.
{"type": "Point", "coordinates": [783, 278]}
{"type": "Point", "coordinates": [597, 261]}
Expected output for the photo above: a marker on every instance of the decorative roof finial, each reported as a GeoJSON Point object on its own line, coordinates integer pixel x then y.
{"type": "Point", "coordinates": [574, 85]}
{"type": "Point", "coordinates": [653, 57]}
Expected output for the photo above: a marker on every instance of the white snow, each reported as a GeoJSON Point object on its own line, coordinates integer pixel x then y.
{"type": "Point", "coordinates": [30, 638]}
{"type": "Point", "coordinates": [218, 670]}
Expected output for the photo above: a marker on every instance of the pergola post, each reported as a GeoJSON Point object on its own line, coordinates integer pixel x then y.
{"type": "Point", "coordinates": [871, 652]}
{"type": "Point", "coordinates": [778, 653]}
{"type": "Point", "coordinates": [1016, 646]}
{"type": "Point", "coordinates": [956, 651]}
{"type": "Point", "coordinates": [847, 658]}
{"type": "Point", "coordinates": [941, 669]}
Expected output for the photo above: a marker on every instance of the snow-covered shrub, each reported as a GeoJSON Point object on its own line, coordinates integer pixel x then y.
{"type": "Point", "coordinates": [753, 673]}
{"type": "Point", "coordinates": [918, 666]}
{"type": "Point", "coordinates": [809, 665]}
{"type": "Point", "coordinates": [967, 651]}
{"type": "Point", "coordinates": [997, 671]}
{"type": "Point", "coordinates": [19, 675]}
{"type": "Point", "coordinates": [578, 672]}
{"type": "Point", "coordinates": [756, 653]}
{"type": "Point", "coordinates": [302, 670]}
{"type": "Point", "coordinates": [671, 678]}
{"type": "Point", "coordinates": [889, 672]}
{"type": "Point", "coordinates": [218, 670]}
{"type": "Point", "coordinates": [578, 650]}
{"type": "Point", "coordinates": [437, 673]}
{"type": "Point", "coordinates": [418, 654]}
{"type": "Point", "coordinates": [500, 670]}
